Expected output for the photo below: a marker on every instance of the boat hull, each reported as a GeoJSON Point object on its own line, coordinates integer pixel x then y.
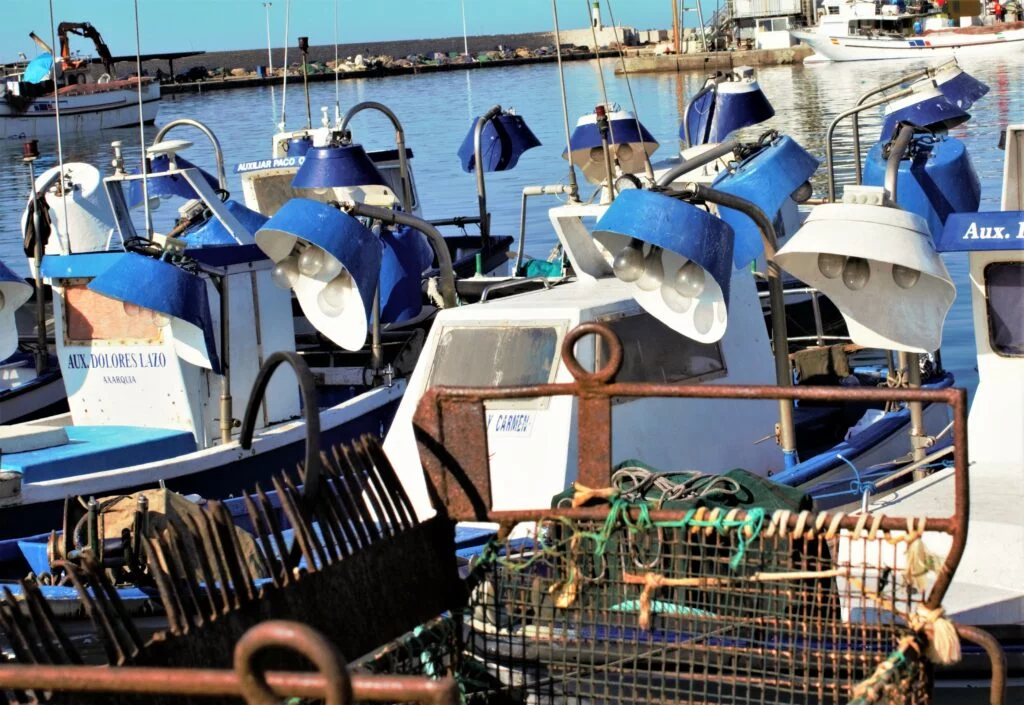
{"type": "Point", "coordinates": [39, 398]}
{"type": "Point", "coordinates": [940, 45]}
{"type": "Point", "coordinates": [215, 473]}
{"type": "Point", "coordinates": [92, 112]}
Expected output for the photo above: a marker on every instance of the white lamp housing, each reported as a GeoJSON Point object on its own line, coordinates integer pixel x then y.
{"type": "Point", "coordinates": [879, 267]}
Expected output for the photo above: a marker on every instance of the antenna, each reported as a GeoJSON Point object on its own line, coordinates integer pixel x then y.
{"type": "Point", "coordinates": [60, 148]}
{"type": "Point", "coordinates": [337, 88]}
{"type": "Point", "coordinates": [284, 87]}
{"type": "Point", "coordinates": [142, 123]}
{"type": "Point", "coordinates": [270, 67]}
{"type": "Point", "coordinates": [574, 189]}
{"type": "Point", "coordinates": [632, 101]}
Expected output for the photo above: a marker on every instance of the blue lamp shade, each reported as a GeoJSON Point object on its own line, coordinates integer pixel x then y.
{"type": "Point", "coordinates": [38, 70]}
{"type": "Point", "coordinates": [338, 167]}
{"type": "Point", "coordinates": [678, 258]}
{"type": "Point", "coordinates": [937, 180]}
{"type": "Point", "coordinates": [628, 140]}
{"type": "Point", "coordinates": [298, 146]}
{"type": "Point", "coordinates": [213, 233]}
{"type": "Point", "coordinates": [14, 292]}
{"type": "Point", "coordinates": [767, 179]}
{"type": "Point", "coordinates": [502, 141]}
{"type": "Point", "coordinates": [167, 185]}
{"type": "Point", "coordinates": [406, 255]}
{"type": "Point", "coordinates": [330, 261]}
{"type": "Point", "coordinates": [928, 109]}
{"type": "Point", "coordinates": [160, 286]}
{"type": "Point", "coordinates": [961, 88]}
{"type": "Point", "coordinates": [719, 110]}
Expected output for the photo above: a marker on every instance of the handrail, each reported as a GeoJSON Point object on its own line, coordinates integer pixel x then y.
{"type": "Point", "coordinates": [222, 179]}
{"type": "Point", "coordinates": [403, 160]}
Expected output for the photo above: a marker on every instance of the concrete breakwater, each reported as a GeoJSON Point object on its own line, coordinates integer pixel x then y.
{"type": "Point", "coordinates": [713, 61]}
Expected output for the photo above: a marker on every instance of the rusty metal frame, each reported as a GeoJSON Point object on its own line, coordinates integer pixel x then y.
{"type": "Point", "coordinates": [332, 681]}
{"type": "Point", "coordinates": [451, 432]}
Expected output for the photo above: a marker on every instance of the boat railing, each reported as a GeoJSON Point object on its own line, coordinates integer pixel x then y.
{"type": "Point", "coordinates": [819, 326]}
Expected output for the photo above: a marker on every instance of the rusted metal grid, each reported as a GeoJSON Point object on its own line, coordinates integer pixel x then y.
{"type": "Point", "coordinates": [624, 603]}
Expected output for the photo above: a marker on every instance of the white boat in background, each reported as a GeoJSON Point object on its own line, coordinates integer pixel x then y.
{"type": "Point", "coordinates": [857, 30]}
{"type": "Point", "coordinates": [28, 106]}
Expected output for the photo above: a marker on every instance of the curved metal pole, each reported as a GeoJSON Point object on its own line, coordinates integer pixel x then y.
{"type": "Point", "coordinates": [996, 655]}
{"type": "Point", "coordinates": [481, 190]}
{"type": "Point", "coordinates": [899, 148]}
{"type": "Point", "coordinates": [218, 152]}
{"type": "Point", "coordinates": [403, 162]}
{"type": "Point", "coordinates": [832, 129]}
{"type": "Point", "coordinates": [688, 165]}
{"type": "Point", "coordinates": [776, 298]}
{"type": "Point", "coordinates": [444, 257]}
{"type": "Point", "coordinates": [913, 76]}
{"type": "Point", "coordinates": [227, 416]}
{"type": "Point", "coordinates": [310, 409]}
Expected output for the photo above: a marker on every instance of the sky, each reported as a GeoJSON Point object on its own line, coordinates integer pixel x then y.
{"type": "Point", "coordinates": [215, 25]}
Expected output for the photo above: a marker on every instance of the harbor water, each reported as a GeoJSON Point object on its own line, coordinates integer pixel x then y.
{"type": "Point", "coordinates": [437, 110]}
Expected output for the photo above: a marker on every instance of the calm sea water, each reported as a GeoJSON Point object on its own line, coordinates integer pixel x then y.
{"type": "Point", "coordinates": [437, 110]}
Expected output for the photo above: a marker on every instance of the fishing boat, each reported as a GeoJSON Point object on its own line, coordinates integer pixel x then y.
{"type": "Point", "coordinates": [32, 98]}
{"type": "Point", "coordinates": [860, 30]}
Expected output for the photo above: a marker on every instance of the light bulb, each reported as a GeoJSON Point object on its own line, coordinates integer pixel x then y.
{"type": "Point", "coordinates": [831, 266]}
{"type": "Point", "coordinates": [3, 301]}
{"type": "Point", "coordinates": [722, 312]}
{"type": "Point", "coordinates": [629, 264]}
{"type": "Point", "coordinates": [905, 277]}
{"type": "Point", "coordinates": [596, 154]}
{"type": "Point", "coordinates": [803, 192]}
{"type": "Point", "coordinates": [286, 273]}
{"type": "Point", "coordinates": [674, 300]}
{"type": "Point", "coordinates": [159, 319]}
{"type": "Point", "coordinates": [332, 297]}
{"type": "Point", "coordinates": [624, 152]}
{"type": "Point", "coordinates": [689, 280]}
{"type": "Point", "coordinates": [856, 273]}
{"type": "Point", "coordinates": [654, 271]}
{"type": "Point", "coordinates": [131, 310]}
{"type": "Point", "coordinates": [704, 317]}
{"type": "Point", "coordinates": [311, 261]}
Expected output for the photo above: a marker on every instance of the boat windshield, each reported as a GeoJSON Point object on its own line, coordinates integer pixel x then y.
{"type": "Point", "coordinates": [495, 355]}
{"type": "Point", "coordinates": [1004, 282]}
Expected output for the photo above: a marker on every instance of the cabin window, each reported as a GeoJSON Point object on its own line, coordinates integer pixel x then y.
{"type": "Point", "coordinates": [653, 352]}
{"type": "Point", "coordinates": [1004, 284]}
{"type": "Point", "coordinates": [495, 356]}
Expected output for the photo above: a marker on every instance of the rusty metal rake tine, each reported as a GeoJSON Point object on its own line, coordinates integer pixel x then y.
{"type": "Point", "coordinates": [330, 513]}
{"type": "Point", "coordinates": [305, 510]}
{"type": "Point", "coordinates": [351, 504]}
{"type": "Point", "coordinates": [225, 525]}
{"type": "Point", "coordinates": [264, 543]}
{"type": "Point", "coordinates": [169, 598]}
{"type": "Point", "coordinates": [287, 562]}
{"type": "Point", "coordinates": [225, 540]}
{"type": "Point", "coordinates": [338, 512]}
{"type": "Point", "coordinates": [396, 522]}
{"type": "Point", "coordinates": [43, 614]}
{"type": "Point", "coordinates": [396, 490]}
{"type": "Point", "coordinates": [36, 647]}
{"type": "Point", "coordinates": [292, 512]}
{"type": "Point", "coordinates": [96, 614]}
{"type": "Point", "coordinates": [370, 515]}
{"type": "Point", "coordinates": [195, 537]}
{"type": "Point", "coordinates": [207, 534]}
{"type": "Point", "coordinates": [186, 572]}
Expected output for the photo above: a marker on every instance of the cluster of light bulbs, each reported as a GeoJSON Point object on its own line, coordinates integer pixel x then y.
{"type": "Point", "coordinates": [311, 262]}
{"type": "Point", "coordinates": [133, 311]}
{"type": "Point", "coordinates": [856, 271]}
{"type": "Point", "coordinates": [3, 301]}
{"type": "Point", "coordinates": [679, 291]}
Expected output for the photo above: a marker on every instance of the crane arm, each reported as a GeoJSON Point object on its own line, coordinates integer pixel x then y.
{"type": "Point", "coordinates": [84, 29]}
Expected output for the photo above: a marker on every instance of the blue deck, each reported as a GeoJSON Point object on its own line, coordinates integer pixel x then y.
{"type": "Point", "coordinates": [97, 448]}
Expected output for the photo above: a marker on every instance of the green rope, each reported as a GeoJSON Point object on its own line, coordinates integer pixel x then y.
{"type": "Point", "coordinates": [662, 607]}
{"type": "Point", "coordinates": [898, 660]}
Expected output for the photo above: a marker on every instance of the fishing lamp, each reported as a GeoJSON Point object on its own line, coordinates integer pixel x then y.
{"type": "Point", "coordinates": [766, 178]}
{"type": "Point", "coordinates": [630, 143]}
{"type": "Point", "coordinates": [723, 106]}
{"type": "Point", "coordinates": [164, 185]}
{"type": "Point", "coordinates": [497, 139]}
{"type": "Point", "coordinates": [14, 292]}
{"type": "Point", "coordinates": [331, 262]}
{"type": "Point", "coordinates": [346, 167]}
{"type": "Point", "coordinates": [171, 296]}
{"type": "Point", "coordinates": [961, 88]}
{"type": "Point", "coordinates": [677, 256]}
{"type": "Point", "coordinates": [878, 266]}
{"type": "Point", "coordinates": [926, 108]}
